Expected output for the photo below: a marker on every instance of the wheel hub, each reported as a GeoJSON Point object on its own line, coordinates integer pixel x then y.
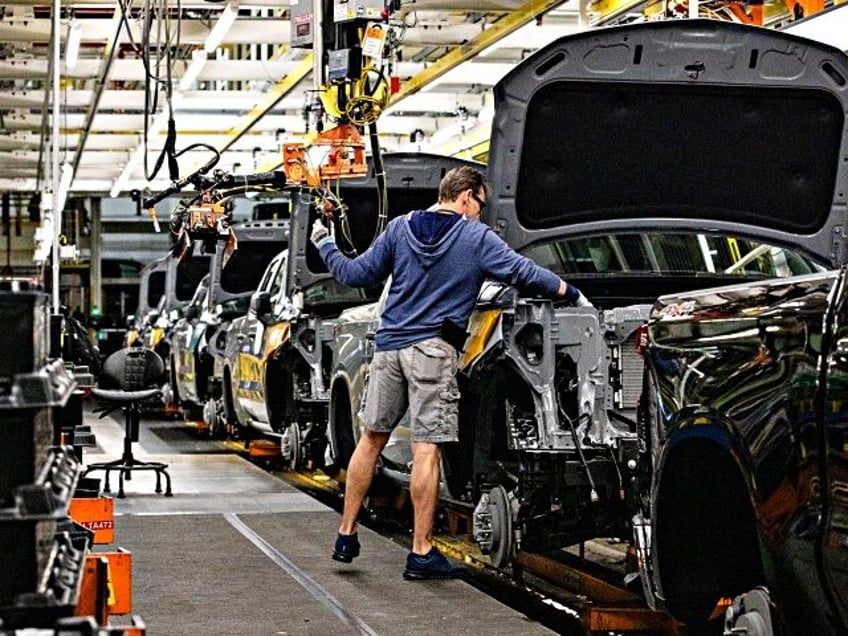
{"type": "Point", "coordinates": [492, 524]}
{"type": "Point", "coordinates": [290, 446]}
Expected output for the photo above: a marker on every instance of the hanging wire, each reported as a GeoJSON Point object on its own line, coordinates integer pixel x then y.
{"type": "Point", "coordinates": [156, 29]}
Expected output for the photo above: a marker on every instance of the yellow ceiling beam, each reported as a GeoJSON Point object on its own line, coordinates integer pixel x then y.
{"type": "Point", "coordinates": [464, 52]}
{"type": "Point", "coordinates": [470, 145]}
{"type": "Point", "coordinates": [600, 11]}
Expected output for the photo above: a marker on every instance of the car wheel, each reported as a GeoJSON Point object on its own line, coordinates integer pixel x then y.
{"type": "Point", "coordinates": [342, 425]}
{"type": "Point", "coordinates": [481, 459]}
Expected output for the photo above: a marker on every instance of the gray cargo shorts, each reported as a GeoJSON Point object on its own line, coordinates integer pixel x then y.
{"type": "Point", "coordinates": [422, 378]}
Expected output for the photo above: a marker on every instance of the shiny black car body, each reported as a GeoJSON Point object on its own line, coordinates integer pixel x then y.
{"type": "Point", "coordinates": [744, 440]}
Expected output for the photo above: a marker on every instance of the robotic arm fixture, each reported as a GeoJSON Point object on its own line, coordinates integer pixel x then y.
{"type": "Point", "coordinates": [354, 53]}
{"type": "Point", "coordinates": [355, 49]}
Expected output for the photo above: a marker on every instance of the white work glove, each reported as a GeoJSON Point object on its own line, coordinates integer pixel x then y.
{"type": "Point", "coordinates": [576, 301]}
{"type": "Point", "coordinates": [319, 233]}
{"type": "Point", "coordinates": [582, 301]}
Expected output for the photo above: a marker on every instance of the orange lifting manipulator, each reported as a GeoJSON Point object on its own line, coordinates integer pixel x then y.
{"type": "Point", "coordinates": [753, 12]}
{"type": "Point", "coordinates": [344, 159]}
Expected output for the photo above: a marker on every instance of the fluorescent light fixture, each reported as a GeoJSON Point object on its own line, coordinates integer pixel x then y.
{"type": "Point", "coordinates": [65, 183]}
{"type": "Point", "coordinates": [72, 44]}
{"type": "Point", "coordinates": [159, 123]}
{"type": "Point", "coordinates": [192, 71]}
{"type": "Point", "coordinates": [222, 26]}
{"type": "Point", "coordinates": [121, 181]}
{"type": "Point", "coordinates": [119, 185]}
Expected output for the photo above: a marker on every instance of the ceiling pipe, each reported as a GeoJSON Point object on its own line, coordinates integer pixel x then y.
{"type": "Point", "coordinates": [54, 156]}
{"type": "Point", "coordinates": [45, 122]}
{"type": "Point", "coordinates": [112, 48]}
{"type": "Point", "coordinates": [72, 44]}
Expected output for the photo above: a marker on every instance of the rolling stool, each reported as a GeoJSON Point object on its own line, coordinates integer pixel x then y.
{"type": "Point", "coordinates": [129, 378]}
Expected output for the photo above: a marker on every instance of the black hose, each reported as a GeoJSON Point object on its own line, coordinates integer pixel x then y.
{"type": "Point", "coordinates": [380, 175]}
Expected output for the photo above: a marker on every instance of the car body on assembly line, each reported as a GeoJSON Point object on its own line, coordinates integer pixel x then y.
{"type": "Point", "coordinates": [622, 159]}
{"type": "Point", "coordinates": [743, 464]}
{"type": "Point", "coordinates": [276, 374]}
{"type": "Point", "coordinates": [166, 286]}
{"type": "Point", "coordinates": [199, 338]}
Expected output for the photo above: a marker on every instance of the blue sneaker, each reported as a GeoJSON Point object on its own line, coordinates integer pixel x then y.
{"type": "Point", "coordinates": [433, 565]}
{"type": "Point", "coordinates": [347, 548]}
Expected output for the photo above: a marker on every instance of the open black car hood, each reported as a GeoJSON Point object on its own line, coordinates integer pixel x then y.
{"type": "Point", "coordinates": [699, 124]}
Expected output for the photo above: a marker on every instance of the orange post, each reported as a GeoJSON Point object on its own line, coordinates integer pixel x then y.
{"type": "Point", "coordinates": [120, 582]}
{"type": "Point", "coordinates": [94, 589]}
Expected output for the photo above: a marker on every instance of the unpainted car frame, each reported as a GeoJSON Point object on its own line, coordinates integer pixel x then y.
{"type": "Point", "coordinates": [198, 339]}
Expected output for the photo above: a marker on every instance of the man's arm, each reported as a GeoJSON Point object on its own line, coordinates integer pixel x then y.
{"type": "Point", "coordinates": [573, 295]}
{"type": "Point", "coordinates": [370, 268]}
{"type": "Point", "coordinates": [505, 264]}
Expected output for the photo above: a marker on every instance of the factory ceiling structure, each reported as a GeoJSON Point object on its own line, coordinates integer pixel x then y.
{"type": "Point", "coordinates": [230, 77]}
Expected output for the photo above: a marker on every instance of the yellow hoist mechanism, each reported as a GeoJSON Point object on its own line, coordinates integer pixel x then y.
{"type": "Point", "coordinates": [353, 94]}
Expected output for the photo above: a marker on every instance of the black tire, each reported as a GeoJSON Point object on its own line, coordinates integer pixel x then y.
{"type": "Point", "coordinates": [342, 425]}
{"type": "Point", "coordinates": [482, 452]}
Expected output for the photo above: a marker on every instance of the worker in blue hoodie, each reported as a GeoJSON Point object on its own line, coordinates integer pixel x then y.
{"type": "Point", "coordinates": [438, 259]}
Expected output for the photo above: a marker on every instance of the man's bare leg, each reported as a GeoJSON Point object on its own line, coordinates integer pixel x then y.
{"type": "Point", "coordinates": [360, 472]}
{"type": "Point", "coordinates": [424, 489]}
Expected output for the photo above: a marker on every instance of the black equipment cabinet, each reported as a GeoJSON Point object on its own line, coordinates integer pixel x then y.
{"type": "Point", "coordinates": [42, 552]}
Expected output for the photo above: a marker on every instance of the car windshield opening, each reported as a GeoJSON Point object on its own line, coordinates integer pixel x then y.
{"type": "Point", "coordinates": [679, 253]}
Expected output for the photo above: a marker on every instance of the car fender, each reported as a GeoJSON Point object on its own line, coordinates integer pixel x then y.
{"type": "Point", "coordinates": [705, 536]}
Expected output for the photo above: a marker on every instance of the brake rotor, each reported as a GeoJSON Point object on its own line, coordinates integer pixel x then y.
{"type": "Point", "coordinates": [493, 529]}
{"type": "Point", "coordinates": [210, 416]}
{"type": "Point", "coordinates": [502, 534]}
{"type": "Point", "coordinates": [291, 447]}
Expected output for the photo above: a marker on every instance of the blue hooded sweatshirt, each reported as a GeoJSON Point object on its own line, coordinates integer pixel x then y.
{"type": "Point", "coordinates": [436, 278]}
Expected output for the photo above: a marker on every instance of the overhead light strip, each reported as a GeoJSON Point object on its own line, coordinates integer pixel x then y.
{"type": "Point", "coordinates": [193, 70]}
{"type": "Point", "coordinates": [222, 27]}
{"type": "Point", "coordinates": [72, 44]}
{"type": "Point", "coordinates": [65, 184]}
